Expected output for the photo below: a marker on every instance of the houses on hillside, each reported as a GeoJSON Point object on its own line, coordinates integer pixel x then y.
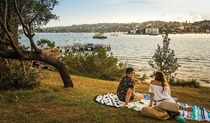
{"type": "Point", "coordinates": [135, 28]}
{"type": "Point", "coordinates": [181, 28]}
{"type": "Point", "coordinates": [152, 31]}
{"type": "Point", "coordinates": [149, 31]}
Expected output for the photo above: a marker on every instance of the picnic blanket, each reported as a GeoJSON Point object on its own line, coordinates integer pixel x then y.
{"type": "Point", "coordinates": [198, 113]}
{"type": "Point", "coordinates": [113, 101]}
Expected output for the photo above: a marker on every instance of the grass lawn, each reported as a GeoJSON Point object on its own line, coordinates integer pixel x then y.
{"type": "Point", "coordinates": [52, 103]}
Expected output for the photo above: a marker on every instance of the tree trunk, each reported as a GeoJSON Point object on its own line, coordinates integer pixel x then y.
{"type": "Point", "coordinates": [60, 66]}
{"type": "Point", "coordinates": [65, 75]}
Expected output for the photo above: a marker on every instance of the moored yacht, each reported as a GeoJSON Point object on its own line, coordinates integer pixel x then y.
{"type": "Point", "coordinates": [99, 36]}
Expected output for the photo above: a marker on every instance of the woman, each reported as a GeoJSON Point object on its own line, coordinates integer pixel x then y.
{"type": "Point", "coordinates": [159, 89]}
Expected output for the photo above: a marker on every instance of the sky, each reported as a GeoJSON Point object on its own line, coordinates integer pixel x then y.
{"type": "Point", "coordinates": [75, 12]}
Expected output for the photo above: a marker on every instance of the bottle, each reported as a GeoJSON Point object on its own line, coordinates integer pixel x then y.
{"type": "Point", "coordinates": [180, 119]}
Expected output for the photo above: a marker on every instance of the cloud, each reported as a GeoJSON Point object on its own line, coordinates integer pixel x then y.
{"type": "Point", "coordinates": [198, 16]}
{"type": "Point", "coordinates": [162, 15]}
{"type": "Point", "coordinates": [179, 18]}
{"type": "Point", "coordinates": [153, 1]}
{"type": "Point", "coordinates": [138, 1]}
{"type": "Point", "coordinates": [191, 13]}
{"type": "Point", "coordinates": [132, 1]}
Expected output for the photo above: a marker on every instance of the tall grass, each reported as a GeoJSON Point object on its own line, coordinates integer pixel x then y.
{"type": "Point", "coordinates": [186, 83]}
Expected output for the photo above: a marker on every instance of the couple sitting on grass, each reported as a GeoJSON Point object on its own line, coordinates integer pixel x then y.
{"type": "Point", "coordinates": [159, 90]}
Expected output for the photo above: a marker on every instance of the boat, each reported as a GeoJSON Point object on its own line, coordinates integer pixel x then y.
{"type": "Point", "coordinates": [100, 36]}
{"type": "Point", "coordinates": [114, 34]}
{"type": "Point", "coordinates": [154, 34]}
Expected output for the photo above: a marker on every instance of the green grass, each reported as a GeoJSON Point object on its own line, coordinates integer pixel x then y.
{"type": "Point", "coordinates": [52, 103]}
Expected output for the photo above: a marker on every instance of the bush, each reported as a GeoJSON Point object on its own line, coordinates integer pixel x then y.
{"type": "Point", "coordinates": [190, 83]}
{"type": "Point", "coordinates": [96, 64]}
{"type": "Point", "coordinates": [12, 77]}
{"type": "Point", "coordinates": [45, 43]}
{"type": "Point", "coordinates": [164, 59]}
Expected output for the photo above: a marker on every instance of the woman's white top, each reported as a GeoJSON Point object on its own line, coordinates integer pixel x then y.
{"type": "Point", "coordinates": [159, 94]}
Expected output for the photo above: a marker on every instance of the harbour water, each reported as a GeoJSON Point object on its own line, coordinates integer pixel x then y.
{"type": "Point", "coordinates": [192, 50]}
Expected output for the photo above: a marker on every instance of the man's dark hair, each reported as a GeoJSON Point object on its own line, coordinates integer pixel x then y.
{"type": "Point", "coordinates": [129, 70]}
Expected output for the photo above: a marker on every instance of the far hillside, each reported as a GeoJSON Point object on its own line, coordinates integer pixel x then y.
{"type": "Point", "coordinates": [198, 27]}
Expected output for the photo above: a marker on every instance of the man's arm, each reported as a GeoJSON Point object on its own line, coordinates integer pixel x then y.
{"type": "Point", "coordinates": [137, 81]}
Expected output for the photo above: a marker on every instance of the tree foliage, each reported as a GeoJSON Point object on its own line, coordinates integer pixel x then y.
{"type": "Point", "coordinates": [96, 64]}
{"type": "Point", "coordinates": [164, 59]}
{"type": "Point", "coordinates": [45, 43]}
{"type": "Point", "coordinates": [12, 79]}
{"type": "Point", "coordinates": [29, 14]}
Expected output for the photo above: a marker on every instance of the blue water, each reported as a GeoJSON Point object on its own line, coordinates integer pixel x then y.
{"type": "Point", "coordinates": [192, 50]}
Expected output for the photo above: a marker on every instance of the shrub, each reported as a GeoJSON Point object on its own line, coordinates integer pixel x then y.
{"type": "Point", "coordinates": [164, 59]}
{"type": "Point", "coordinates": [12, 77]}
{"type": "Point", "coordinates": [45, 43]}
{"type": "Point", "coordinates": [96, 63]}
{"type": "Point", "coordinates": [189, 83]}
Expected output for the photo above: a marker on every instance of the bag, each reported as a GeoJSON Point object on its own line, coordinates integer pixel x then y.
{"type": "Point", "coordinates": [155, 113]}
{"type": "Point", "coordinates": [168, 106]}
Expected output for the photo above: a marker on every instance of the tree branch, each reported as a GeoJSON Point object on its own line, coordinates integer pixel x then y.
{"type": "Point", "coordinates": [5, 12]}
{"type": "Point", "coordinates": [26, 29]}
{"type": "Point", "coordinates": [5, 43]}
{"type": "Point", "coordinates": [21, 19]}
{"type": "Point", "coordinates": [10, 39]}
{"type": "Point", "coordinates": [34, 17]}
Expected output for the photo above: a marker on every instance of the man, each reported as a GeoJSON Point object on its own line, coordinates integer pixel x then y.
{"type": "Point", "coordinates": [126, 88]}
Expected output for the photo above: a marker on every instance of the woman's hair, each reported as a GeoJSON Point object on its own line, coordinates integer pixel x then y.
{"type": "Point", "coordinates": [160, 77]}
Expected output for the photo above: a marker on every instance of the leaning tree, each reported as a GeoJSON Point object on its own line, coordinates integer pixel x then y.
{"type": "Point", "coordinates": [29, 15]}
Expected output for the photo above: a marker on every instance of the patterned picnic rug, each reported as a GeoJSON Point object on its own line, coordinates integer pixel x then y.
{"type": "Point", "coordinates": [198, 113]}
